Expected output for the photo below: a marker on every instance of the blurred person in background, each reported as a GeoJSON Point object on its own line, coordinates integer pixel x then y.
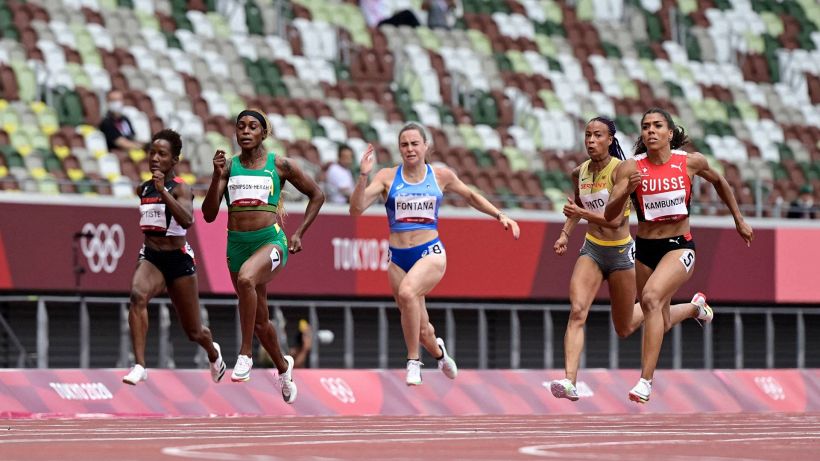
{"type": "Point", "coordinates": [339, 181]}
{"type": "Point", "coordinates": [803, 206]}
{"type": "Point", "coordinates": [117, 128]}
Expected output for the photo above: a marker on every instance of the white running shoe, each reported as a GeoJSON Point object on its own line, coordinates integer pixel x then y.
{"type": "Point", "coordinates": [218, 366]}
{"type": "Point", "coordinates": [137, 374]}
{"type": "Point", "coordinates": [242, 369]}
{"type": "Point", "coordinates": [286, 382]}
{"type": "Point", "coordinates": [414, 372]}
{"type": "Point", "coordinates": [446, 364]}
{"type": "Point", "coordinates": [564, 389]}
{"type": "Point", "coordinates": [705, 313]}
{"type": "Point", "coordinates": [640, 393]}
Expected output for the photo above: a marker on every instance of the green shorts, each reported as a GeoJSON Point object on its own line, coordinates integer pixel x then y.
{"type": "Point", "coordinates": [241, 245]}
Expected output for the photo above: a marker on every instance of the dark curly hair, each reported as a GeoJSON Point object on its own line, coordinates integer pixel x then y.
{"type": "Point", "coordinates": [173, 139]}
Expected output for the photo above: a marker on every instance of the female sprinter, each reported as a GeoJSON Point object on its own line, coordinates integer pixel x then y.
{"type": "Point", "coordinates": [660, 181]}
{"type": "Point", "coordinates": [413, 192]}
{"type": "Point", "coordinates": [257, 246]}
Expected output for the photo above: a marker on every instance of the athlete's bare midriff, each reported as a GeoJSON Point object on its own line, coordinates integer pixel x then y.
{"type": "Point", "coordinates": [659, 230]}
{"type": "Point", "coordinates": [411, 239]}
{"type": "Point", "coordinates": [245, 221]}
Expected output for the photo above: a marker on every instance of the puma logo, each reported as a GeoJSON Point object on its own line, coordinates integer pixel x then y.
{"type": "Point", "coordinates": [678, 166]}
{"type": "Point", "coordinates": [675, 241]}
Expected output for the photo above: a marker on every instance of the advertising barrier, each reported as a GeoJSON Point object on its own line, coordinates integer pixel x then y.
{"type": "Point", "coordinates": [41, 245]}
{"type": "Point", "coordinates": [328, 392]}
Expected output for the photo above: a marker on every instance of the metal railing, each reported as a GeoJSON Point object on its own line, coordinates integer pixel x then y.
{"type": "Point", "coordinates": [319, 309]}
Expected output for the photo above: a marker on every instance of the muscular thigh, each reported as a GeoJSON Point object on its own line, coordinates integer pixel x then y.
{"type": "Point", "coordinates": [586, 281]}
{"type": "Point", "coordinates": [147, 279]}
{"type": "Point", "coordinates": [260, 263]}
{"type": "Point", "coordinates": [425, 274]}
{"type": "Point", "coordinates": [674, 269]}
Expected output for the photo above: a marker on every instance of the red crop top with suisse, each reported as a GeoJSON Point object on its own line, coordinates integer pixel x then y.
{"type": "Point", "coordinates": [665, 190]}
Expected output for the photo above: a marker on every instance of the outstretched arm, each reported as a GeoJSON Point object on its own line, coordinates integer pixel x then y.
{"type": "Point", "coordinates": [291, 172]}
{"type": "Point", "coordinates": [627, 180]}
{"type": "Point", "coordinates": [450, 182]}
{"type": "Point", "coordinates": [698, 164]}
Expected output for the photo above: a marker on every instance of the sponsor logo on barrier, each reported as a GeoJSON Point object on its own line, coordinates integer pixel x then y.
{"type": "Point", "coordinates": [338, 387]}
{"type": "Point", "coordinates": [360, 254]}
{"type": "Point", "coordinates": [82, 391]}
{"type": "Point", "coordinates": [104, 249]}
{"type": "Point", "coordinates": [771, 387]}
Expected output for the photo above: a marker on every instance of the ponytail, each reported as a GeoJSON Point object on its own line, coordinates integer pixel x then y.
{"type": "Point", "coordinates": [679, 137]}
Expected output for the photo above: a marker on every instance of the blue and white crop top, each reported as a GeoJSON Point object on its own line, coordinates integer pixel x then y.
{"type": "Point", "coordinates": [413, 206]}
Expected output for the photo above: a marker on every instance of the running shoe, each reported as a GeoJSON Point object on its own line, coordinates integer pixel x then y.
{"type": "Point", "coordinates": [705, 313]}
{"type": "Point", "coordinates": [286, 382]}
{"type": "Point", "coordinates": [242, 369]}
{"type": "Point", "coordinates": [137, 374]}
{"type": "Point", "coordinates": [414, 372]}
{"type": "Point", "coordinates": [446, 364]}
{"type": "Point", "coordinates": [564, 389]}
{"type": "Point", "coordinates": [640, 393]}
{"type": "Point", "coordinates": [218, 366]}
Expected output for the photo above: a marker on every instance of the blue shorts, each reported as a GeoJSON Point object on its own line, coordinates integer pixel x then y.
{"type": "Point", "coordinates": [406, 257]}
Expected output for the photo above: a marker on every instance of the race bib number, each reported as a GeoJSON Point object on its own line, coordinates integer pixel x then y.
{"type": "Point", "coordinates": [596, 201]}
{"type": "Point", "coordinates": [434, 249]}
{"type": "Point", "coordinates": [631, 252]}
{"type": "Point", "coordinates": [152, 217]}
{"type": "Point", "coordinates": [249, 190]}
{"type": "Point", "coordinates": [688, 260]}
{"type": "Point", "coordinates": [665, 204]}
{"type": "Point", "coordinates": [415, 208]}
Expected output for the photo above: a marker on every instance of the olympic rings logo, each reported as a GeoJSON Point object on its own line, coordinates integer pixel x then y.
{"type": "Point", "coordinates": [337, 387]}
{"type": "Point", "coordinates": [771, 387]}
{"type": "Point", "coordinates": [104, 248]}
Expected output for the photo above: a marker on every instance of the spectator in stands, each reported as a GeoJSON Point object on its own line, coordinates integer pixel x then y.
{"type": "Point", "coordinates": [442, 14]}
{"type": "Point", "coordinates": [378, 12]}
{"type": "Point", "coordinates": [339, 177]}
{"type": "Point", "coordinates": [607, 254]}
{"type": "Point", "coordinates": [118, 130]}
{"type": "Point", "coordinates": [803, 207]}
{"type": "Point", "coordinates": [659, 178]}
{"type": "Point", "coordinates": [166, 260]}
{"type": "Point", "coordinates": [413, 192]}
{"type": "Point", "coordinates": [251, 183]}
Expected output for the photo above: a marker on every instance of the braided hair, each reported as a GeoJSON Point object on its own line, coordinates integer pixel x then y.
{"type": "Point", "coordinates": [614, 148]}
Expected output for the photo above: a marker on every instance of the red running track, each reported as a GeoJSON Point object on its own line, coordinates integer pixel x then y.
{"type": "Point", "coordinates": [738, 436]}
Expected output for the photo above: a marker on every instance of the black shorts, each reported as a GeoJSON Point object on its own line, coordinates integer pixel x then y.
{"type": "Point", "coordinates": [172, 263]}
{"type": "Point", "coordinates": [649, 252]}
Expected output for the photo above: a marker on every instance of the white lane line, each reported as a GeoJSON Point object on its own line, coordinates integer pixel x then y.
{"type": "Point", "coordinates": [550, 450]}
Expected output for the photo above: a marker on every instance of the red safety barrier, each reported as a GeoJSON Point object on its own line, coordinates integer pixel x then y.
{"type": "Point", "coordinates": [71, 393]}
